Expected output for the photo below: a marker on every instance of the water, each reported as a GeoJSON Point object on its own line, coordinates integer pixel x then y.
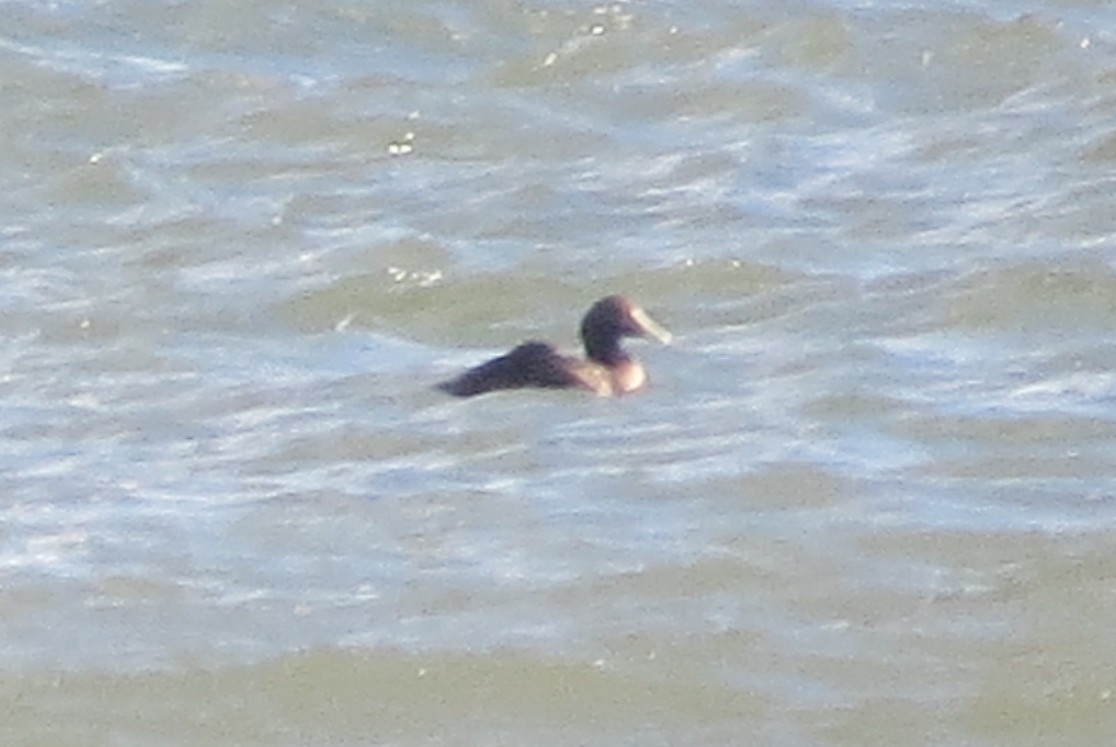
{"type": "Point", "coordinates": [869, 498]}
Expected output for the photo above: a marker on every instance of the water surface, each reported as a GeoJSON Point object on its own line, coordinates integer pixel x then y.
{"type": "Point", "coordinates": [868, 498]}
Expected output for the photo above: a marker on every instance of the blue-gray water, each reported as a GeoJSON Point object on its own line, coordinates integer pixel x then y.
{"type": "Point", "coordinates": [869, 498]}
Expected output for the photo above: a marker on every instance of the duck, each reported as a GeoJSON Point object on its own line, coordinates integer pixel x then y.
{"type": "Point", "coordinates": [607, 370]}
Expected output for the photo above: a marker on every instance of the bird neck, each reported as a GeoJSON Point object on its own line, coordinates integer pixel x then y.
{"type": "Point", "coordinates": [604, 349]}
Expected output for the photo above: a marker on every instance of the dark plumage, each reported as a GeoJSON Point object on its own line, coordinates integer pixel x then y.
{"type": "Point", "coordinates": [607, 369]}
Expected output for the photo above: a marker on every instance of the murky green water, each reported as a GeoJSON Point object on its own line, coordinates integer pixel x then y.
{"type": "Point", "coordinates": [868, 499]}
